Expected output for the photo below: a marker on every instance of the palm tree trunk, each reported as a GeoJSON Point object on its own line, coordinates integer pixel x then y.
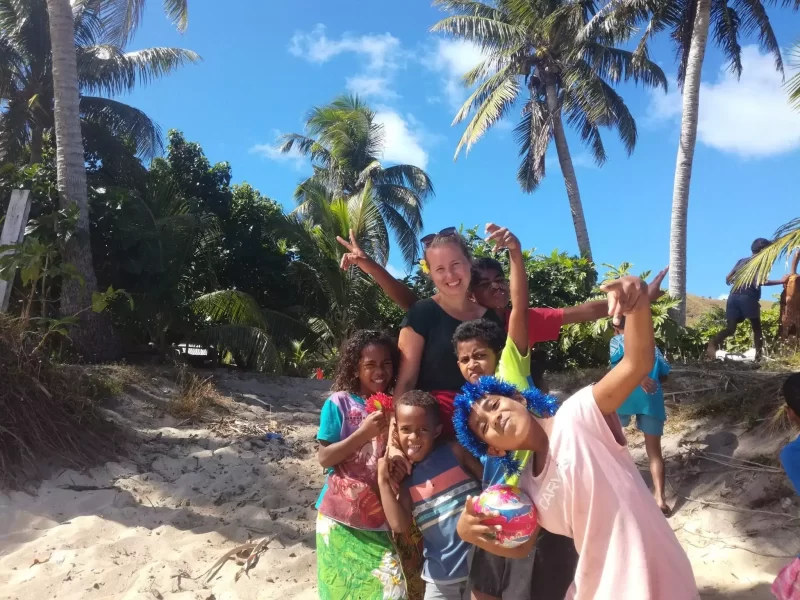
{"type": "Point", "coordinates": [93, 337]}
{"type": "Point", "coordinates": [568, 171]}
{"type": "Point", "coordinates": [683, 168]}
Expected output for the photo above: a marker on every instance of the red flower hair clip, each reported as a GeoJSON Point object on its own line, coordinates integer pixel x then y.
{"type": "Point", "coordinates": [379, 401]}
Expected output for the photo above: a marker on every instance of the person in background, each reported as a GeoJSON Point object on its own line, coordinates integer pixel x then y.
{"type": "Point", "coordinates": [787, 584]}
{"type": "Point", "coordinates": [355, 554]}
{"type": "Point", "coordinates": [744, 303]}
{"type": "Point", "coordinates": [646, 403]}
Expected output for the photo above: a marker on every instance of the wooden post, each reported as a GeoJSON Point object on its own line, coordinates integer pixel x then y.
{"type": "Point", "coordinates": [13, 233]}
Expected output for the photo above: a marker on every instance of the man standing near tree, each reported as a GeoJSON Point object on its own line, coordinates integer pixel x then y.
{"type": "Point", "coordinates": [744, 302]}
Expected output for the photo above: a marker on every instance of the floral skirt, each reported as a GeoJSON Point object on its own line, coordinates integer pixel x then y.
{"type": "Point", "coordinates": [353, 564]}
{"type": "Point", "coordinates": [787, 584]}
{"type": "Point", "coordinates": [409, 547]}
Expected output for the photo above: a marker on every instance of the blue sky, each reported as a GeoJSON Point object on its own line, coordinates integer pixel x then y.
{"type": "Point", "coordinates": [266, 64]}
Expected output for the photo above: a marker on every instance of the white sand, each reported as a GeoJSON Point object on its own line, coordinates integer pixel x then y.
{"type": "Point", "coordinates": [149, 529]}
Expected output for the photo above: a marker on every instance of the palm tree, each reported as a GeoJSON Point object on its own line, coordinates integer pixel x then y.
{"type": "Point", "coordinates": [689, 23]}
{"type": "Point", "coordinates": [534, 47]}
{"type": "Point", "coordinates": [793, 85]}
{"type": "Point", "coordinates": [93, 337]}
{"type": "Point", "coordinates": [345, 144]}
{"type": "Point", "coordinates": [103, 67]}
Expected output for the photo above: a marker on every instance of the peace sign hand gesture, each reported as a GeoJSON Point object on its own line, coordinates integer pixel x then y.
{"type": "Point", "coordinates": [355, 256]}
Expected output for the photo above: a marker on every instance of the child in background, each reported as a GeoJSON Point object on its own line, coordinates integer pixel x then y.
{"type": "Point", "coordinates": [582, 479]}
{"type": "Point", "coordinates": [433, 495]}
{"type": "Point", "coordinates": [355, 554]}
{"type": "Point", "coordinates": [646, 403]}
{"type": "Point", "coordinates": [787, 584]}
{"type": "Point", "coordinates": [483, 348]}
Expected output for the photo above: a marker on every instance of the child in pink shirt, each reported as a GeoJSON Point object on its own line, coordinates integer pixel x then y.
{"type": "Point", "coordinates": [582, 479]}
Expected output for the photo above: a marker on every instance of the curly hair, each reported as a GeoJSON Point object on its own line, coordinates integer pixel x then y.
{"type": "Point", "coordinates": [537, 403]}
{"type": "Point", "coordinates": [422, 400]}
{"type": "Point", "coordinates": [481, 329]}
{"type": "Point", "coordinates": [346, 376]}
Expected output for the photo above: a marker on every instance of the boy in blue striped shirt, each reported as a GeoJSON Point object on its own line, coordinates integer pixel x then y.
{"type": "Point", "coordinates": [444, 475]}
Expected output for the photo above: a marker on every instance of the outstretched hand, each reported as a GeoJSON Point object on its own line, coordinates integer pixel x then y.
{"type": "Point", "coordinates": [502, 237]}
{"type": "Point", "coordinates": [355, 256]}
{"type": "Point", "coordinates": [654, 287]}
{"type": "Point", "coordinates": [625, 295]}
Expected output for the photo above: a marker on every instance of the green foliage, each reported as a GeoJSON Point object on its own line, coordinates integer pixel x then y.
{"type": "Point", "coordinates": [111, 129]}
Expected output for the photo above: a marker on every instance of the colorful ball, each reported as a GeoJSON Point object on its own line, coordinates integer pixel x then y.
{"type": "Point", "coordinates": [516, 513]}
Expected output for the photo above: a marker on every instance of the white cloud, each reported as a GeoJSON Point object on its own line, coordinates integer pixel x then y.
{"type": "Point", "coordinates": [366, 86]}
{"type": "Point", "coordinates": [380, 54]}
{"type": "Point", "coordinates": [315, 46]}
{"type": "Point", "coordinates": [272, 152]}
{"type": "Point", "coordinates": [403, 138]}
{"type": "Point", "coordinates": [722, 297]}
{"type": "Point", "coordinates": [750, 117]}
{"type": "Point", "coordinates": [452, 59]}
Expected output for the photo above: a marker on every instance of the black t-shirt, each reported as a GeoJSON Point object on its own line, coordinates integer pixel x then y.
{"type": "Point", "coordinates": [439, 367]}
{"type": "Point", "coordinates": [753, 290]}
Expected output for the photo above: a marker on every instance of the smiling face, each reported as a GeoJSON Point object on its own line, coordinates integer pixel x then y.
{"type": "Point", "coordinates": [375, 369]}
{"type": "Point", "coordinates": [417, 431]}
{"type": "Point", "coordinates": [490, 288]}
{"type": "Point", "coordinates": [476, 359]}
{"type": "Point", "coordinates": [450, 269]}
{"type": "Point", "coordinates": [503, 423]}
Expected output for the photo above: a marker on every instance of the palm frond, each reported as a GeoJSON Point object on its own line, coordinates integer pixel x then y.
{"type": "Point", "coordinates": [590, 103]}
{"type": "Point", "coordinates": [249, 344]}
{"type": "Point", "coordinates": [617, 65]}
{"type": "Point", "coordinates": [793, 85]}
{"type": "Point", "coordinates": [107, 69]}
{"type": "Point", "coordinates": [121, 18]}
{"type": "Point", "coordinates": [405, 236]}
{"type": "Point", "coordinates": [754, 20]}
{"type": "Point", "coordinates": [124, 121]}
{"type": "Point", "coordinates": [491, 101]}
{"type": "Point", "coordinates": [681, 34]}
{"type": "Point", "coordinates": [725, 23]}
{"type": "Point", "coordinates": [407, 176]}
{"type": "Point", "coordinates": [758, 268]}
{"type": "Point", "coordinates": [488, 33]}
{"type": "Point", "coordinates": [234, 307]}
{"type": "Point", "coordinates": [364, 218]}
{"type": "Point", "coordinates": [533, 134]}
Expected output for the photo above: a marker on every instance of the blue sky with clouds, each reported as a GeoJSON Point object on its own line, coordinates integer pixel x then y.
{"type": "Point", "coordinates": [265, 64]}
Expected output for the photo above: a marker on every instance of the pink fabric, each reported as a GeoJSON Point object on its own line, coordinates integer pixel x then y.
{"type": "Point", "coordinates": [787, 584]}
{"type": "Point", "coordinates": [590, 490]}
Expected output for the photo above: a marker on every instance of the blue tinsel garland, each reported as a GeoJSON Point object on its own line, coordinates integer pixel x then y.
{"type": "Point", "coordinates": [538, 403]}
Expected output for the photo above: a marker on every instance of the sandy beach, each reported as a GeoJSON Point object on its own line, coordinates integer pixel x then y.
{"type": "Point", "coordinates": [151, 525]}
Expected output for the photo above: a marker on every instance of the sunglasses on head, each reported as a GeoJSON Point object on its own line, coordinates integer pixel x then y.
{"type": "Point", "coordinates": [446, 232]}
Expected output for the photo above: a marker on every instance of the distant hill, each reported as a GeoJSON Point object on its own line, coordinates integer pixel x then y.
{"type": "Point", "coordinates": [697, 306]}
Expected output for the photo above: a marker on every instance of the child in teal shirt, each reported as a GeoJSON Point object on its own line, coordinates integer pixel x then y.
{"type": "Point", "coordinates": [647, 404]}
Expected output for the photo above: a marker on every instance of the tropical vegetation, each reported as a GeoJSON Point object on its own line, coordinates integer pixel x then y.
{"type": "Point", "coordinates": [345, 143]}
{"type": "Point", "coordinates": [139, 248]}
{"type": "Point", "coordinates": [537, 52]}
